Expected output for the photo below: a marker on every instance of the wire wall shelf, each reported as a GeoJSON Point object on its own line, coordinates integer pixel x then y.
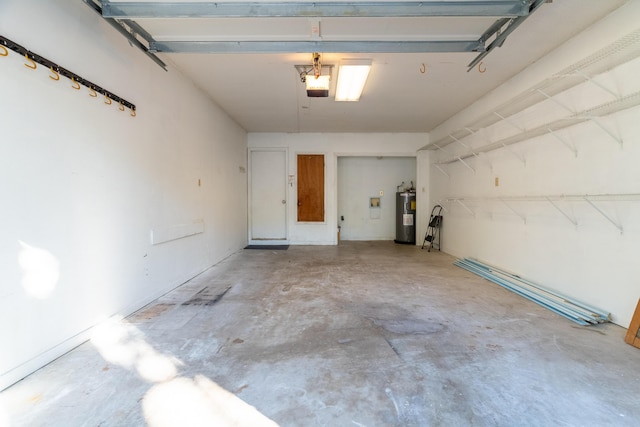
{"type": "Point", "coordinates": [590, 199]}
{"type": "Point", "coordinates": [590, 114]}
{"type": "Point", "coordinates": [615, 54]}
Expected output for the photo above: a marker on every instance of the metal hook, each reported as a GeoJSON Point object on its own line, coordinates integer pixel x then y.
{"type": "Point", "coordinates": [133, 112]}
{"type": "Point", "coordinates": [481, 70]}
{"type": "Point", "coordinates": [423, 68]}
{"type": "Point", "coordinates": [54, 74]}
{"type": "Point", "coordinates": [92, 92]}
{"type": "Point", "coordinates": [107, 100]}
{"type": "Point", "coordinates": [121, 107]}
{"type": "Point", "coordinates": [4, 52]}
{"type": "Point", "coordinates": [32, 64]}
{"type": "Point", "coordinates": [75, 84]}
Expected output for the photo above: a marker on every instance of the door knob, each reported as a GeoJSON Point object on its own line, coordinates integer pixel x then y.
{"type": "Point", "coordinates": [284, 202]}
{"type": "Point", "coordinates": [299, 203]}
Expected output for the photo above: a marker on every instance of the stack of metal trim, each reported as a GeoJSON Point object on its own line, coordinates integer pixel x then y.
{"type": "Point", "coordinates": [571, 309]}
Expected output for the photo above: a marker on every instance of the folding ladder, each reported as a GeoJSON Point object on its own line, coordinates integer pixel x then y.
{"type": "Point", "coordinates": [433, 230]}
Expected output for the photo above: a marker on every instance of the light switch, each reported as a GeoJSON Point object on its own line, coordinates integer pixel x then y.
{"type": "Point", "coordinates": [381, 193]}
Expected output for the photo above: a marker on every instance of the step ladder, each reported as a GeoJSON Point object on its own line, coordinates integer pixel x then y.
{"type": "Point", "coordinates": [433, 230]}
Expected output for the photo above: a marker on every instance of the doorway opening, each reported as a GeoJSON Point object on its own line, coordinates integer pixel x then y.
{"type": "Point", "coordinates": [367, 189]}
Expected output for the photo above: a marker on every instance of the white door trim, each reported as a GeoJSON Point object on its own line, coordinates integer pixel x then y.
{"type": "Point", "coordinates": [251, 240]}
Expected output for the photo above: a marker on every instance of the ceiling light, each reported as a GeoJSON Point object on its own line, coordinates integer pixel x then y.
{"type": "Point", "coordinates": [352, 76]}
{"type": "Point", "coordinates": [317, 86]}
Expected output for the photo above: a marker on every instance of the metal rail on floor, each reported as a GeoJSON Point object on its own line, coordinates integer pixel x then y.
{"type": "Point", "coordinates": [560, 304]}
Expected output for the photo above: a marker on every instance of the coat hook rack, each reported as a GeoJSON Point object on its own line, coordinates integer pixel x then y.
{"type": "Point", "coordinates": [57, 71]}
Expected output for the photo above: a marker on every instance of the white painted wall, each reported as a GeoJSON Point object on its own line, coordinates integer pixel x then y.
{"type": "Point", "coordinates": [83, 185]}
{"type": "Point", "coordinates": [360, 179]}
{"type": "Point", "coordinates": [333, 146]}
{"type": "Point", "coordinates": [592, 261]}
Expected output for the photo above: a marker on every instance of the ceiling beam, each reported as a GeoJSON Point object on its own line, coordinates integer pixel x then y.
{"type": "Point", "coordinates": [227, 9]}
{"type": "Point", "coordinates": [502, 36]}
{"type": "Point", "coordinates": [315, 46]}
{"type": "Point", "coordinates": [129, 30]}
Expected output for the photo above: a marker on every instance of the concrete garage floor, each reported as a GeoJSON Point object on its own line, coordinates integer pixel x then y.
{"type": "Point", "coordinates": [362, 334]}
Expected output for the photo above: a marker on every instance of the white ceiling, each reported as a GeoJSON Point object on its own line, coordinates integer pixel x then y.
{"type": "Point", "coordinates": [406, 92]}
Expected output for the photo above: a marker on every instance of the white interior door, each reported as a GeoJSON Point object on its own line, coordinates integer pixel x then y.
{"type": "Point", "coordinates": [268, 195]}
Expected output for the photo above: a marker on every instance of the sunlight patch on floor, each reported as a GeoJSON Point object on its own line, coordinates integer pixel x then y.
{"type": "Point", "coordinates": [172, 400]}
{"type": "Point", "coordinates": [198, 402]}
{"type": "Point", "coordinates": [122, 344]}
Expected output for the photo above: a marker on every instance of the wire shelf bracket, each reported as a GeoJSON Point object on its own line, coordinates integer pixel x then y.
{"type": "Point", "coordinates": [601, 212]}
{"type": "Point", "coordinates": [590, 199]}
{"type": "Point", "coordinates": [441, 170]}
{"type": "Point", "coordinates": [571, 220]}
{"type": "Point", "coordinates": [566, 143]}
{"type": "Point", "coordinates": [522, 217]}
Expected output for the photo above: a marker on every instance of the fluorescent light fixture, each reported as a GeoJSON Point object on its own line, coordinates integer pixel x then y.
{"type": "Point", "coordinates": [317, 87]}
{"type": "Point", "coordinates": [352, 77]}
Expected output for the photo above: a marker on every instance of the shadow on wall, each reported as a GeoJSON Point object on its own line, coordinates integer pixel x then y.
{"type": "Point", "coordinates": [172, 400]}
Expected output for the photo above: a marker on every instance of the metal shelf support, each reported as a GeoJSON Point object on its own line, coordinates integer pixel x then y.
{"type": "Point", "coordinates": [441, 170]}
{"type": "Point", "coordinates": [521, 130]}
{"type": "Point", "coordinates": [610, 133]}
{"type": "Point", "coordinates": [601, 86]}
{"type": "Point", "coordinates": [508, 120]}
{"type": "Point", "coordinates": [555, 101]}
{"type": "Point", "coordinates": [521, 158]}
{"type": "Point", "coordinates": [522, 217]}
{"type": "Point", "coordinates": [552, 199]}
{"type": "Point", "coordinates": [566, 143]}
{"type": "Point", "coordinates": [466, 164]}
{"type": "Point", "coordinates": [601, 212]}
{"type": "Point", "coordinates": [458, 158]}
{"type": "Point", "coordinates": [469, 148]}
{"type": "Point", "coordinates": [573, 221]}
{"type": "Point", "coordinates": [461, 203]}
{"type": "Point", "coordinates": [621, 51]}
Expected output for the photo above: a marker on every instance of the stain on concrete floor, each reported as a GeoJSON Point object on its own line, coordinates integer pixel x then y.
{"type": "Point", "coordinates": [361, 334]}
{"type": "Point", "coordinates": [207, 296]}
{"type": "Point", "coordinates": [150, 313]}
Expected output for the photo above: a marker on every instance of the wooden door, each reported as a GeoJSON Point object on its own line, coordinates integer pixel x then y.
{"type": "Point", "coordinates": [311, 187]}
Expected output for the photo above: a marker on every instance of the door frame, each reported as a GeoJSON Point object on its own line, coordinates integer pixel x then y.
{"type": "Point", "coordinates": [250, 239]}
